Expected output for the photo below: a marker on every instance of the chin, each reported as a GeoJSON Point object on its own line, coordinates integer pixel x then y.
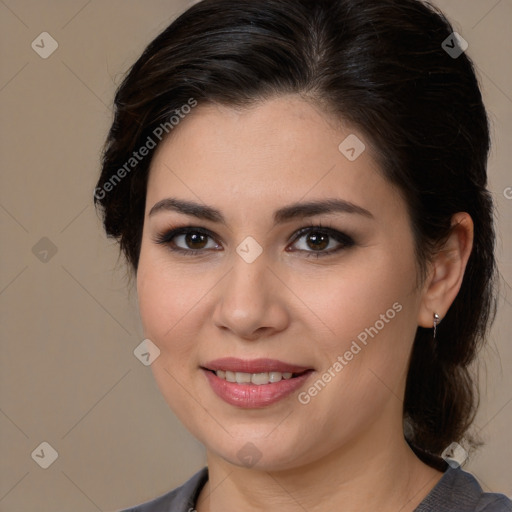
{"type": "Point", "coordinates": [259, 451]}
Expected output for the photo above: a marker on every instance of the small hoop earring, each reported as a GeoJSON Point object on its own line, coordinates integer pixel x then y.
{"type": "Point", "coordinates": [436, 321]}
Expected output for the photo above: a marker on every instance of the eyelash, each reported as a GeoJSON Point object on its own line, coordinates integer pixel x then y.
{"type": "Point", "coordinates": [346, 241]}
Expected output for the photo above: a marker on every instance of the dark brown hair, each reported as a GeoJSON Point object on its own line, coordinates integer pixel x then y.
{"type": "Point", "coordinates": [384, 67]}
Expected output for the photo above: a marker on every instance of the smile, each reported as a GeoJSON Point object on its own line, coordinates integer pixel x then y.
{"type": "Point", "coordinates": [254, 384]}
{"type": "Point", "coordinates": [258, 379]}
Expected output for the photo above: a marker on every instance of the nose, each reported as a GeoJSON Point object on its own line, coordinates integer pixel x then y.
{"type": "Point", "coordinates": [251, 303]}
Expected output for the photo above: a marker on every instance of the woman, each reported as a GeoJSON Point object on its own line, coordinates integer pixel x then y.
{"type": "Point", "coordinates": [300, 189]}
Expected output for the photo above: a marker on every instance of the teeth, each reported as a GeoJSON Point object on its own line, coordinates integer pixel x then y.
{"type": "Point", "coordinates": [275, 376]}
{"type": "Point", "coordinates": [260, 378]}
{"type": "Point", "coordinates": [243, 377]}
{"type": "Point", "coordinates": [253, 378]}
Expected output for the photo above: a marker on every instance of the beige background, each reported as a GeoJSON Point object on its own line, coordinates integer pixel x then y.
{"type": "Point", "coordinates": [68, 373]}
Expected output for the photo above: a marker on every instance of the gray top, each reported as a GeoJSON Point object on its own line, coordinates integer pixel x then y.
{"type": "Point", "coordinates": [456, 491]}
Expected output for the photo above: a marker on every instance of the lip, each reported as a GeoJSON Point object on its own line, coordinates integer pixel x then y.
{"type": "Point", "coordinates": [252, 396]}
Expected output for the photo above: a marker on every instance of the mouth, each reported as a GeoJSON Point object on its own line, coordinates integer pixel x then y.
{"type": "Point", "coordinates": [254, 383]}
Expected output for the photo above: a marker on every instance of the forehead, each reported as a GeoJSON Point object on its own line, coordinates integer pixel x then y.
{"type": "Point", "coordinates": [279, 150]}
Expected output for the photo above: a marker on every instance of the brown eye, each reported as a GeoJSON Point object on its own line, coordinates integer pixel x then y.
{"type": "Point", "coordinates": [195, 240]}
{"type": "Point", "coordinates": [188, 240]}
{"type": "Point", "coordinates": [318, 241]}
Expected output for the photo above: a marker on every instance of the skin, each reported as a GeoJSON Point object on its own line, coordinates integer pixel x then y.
{"type": "Point", "coordinates": [345, 446]}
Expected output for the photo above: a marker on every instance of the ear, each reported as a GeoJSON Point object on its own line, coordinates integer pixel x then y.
{"type": "Point", "coordinates": [447, 271]}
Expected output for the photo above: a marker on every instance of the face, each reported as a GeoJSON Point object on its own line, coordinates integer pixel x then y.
{"type": "Point", "coordinates": [270, 258]}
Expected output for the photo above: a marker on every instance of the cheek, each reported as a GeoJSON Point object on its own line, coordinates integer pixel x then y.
{"type": "Point", "coordinates": [370, 309]}
{"type": "Point", "coordinates": [362, 297]}
{"type": "Point", "coordinates": [166, 297]}
{"type": "Point", "coordinates": [167, 306]}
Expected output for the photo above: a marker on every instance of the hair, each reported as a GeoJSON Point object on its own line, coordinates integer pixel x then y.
{"type": "Point", "coordinates": [378, 65]}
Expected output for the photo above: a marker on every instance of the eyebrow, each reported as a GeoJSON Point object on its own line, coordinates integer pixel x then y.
{"type": "Point", "coordinates": [285, 214]}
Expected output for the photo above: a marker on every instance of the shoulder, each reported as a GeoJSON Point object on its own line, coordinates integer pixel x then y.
{"type": "Point", "coordinates": [181, 499]}
{"type": "Point", "coordinates": [493, 502]}
{"type": "Point", "coordinates": [460, 491]}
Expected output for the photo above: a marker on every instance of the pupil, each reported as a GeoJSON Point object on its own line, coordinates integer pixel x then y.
{"type": "Point", "coordinates": [195, 238]}
{"type": "Point", "coordinates": [320, 241]}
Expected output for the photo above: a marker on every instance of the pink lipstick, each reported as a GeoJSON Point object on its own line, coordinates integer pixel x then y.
{"type": "Point", "coordinates": [255, 383]}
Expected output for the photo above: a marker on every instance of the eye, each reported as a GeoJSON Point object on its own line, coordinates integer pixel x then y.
{"type": "Point", "coordinates": [187, 240]}
{"type": "Point", "coordinates": [320, 241]}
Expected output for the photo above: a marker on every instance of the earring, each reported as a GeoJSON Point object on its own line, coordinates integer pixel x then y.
{"type": "Point", "coordinates": [436, 321]}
